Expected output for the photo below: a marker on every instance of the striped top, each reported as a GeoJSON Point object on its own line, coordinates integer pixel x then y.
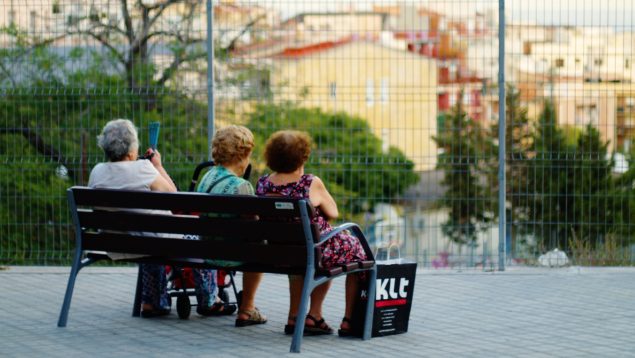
{"type": "Point", "coordinates": [220, 180]}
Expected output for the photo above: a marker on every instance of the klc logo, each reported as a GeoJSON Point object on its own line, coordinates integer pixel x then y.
{"type": "Point", "coordinates": [387, 289]}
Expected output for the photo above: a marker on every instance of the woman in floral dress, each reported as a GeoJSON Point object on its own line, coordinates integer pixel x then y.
{"type": "Point", "coordinates": [286, 153]}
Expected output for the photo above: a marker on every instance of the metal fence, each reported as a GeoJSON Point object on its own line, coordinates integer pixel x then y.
{"type": "Point", "coordinates": [401, 98]}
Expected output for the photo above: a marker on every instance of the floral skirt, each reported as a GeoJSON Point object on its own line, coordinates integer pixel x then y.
{"type": "Point", "coordinates": [341, 249]}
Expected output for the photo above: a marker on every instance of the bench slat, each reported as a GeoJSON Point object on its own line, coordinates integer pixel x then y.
{"type": "Point", "coordinates": [292, 255]}
{"type": "Point", "coordinates": [252, 230]}
{"type": "Point", "coordinates": [188, 202]}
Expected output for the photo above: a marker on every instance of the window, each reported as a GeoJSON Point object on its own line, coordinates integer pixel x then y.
{"type": "Point", "coordinates": [453, 98]}
{"type": "Point", "coordinates": [56, 8]}
{"type": "Point", "coordinates": [627, 63]}
{"type": "Point", "coordinates": [559, 62]}
{"type": "Point", "coordinates": [385, 140]}
{"type": "Point", "coordinates": [598, 62]}
{"type": "Point", "coordinates": [370, 95]}
{"type": "Point", "coordinates": [33, 21]}
{"type": "Point", "coordinates": [333, 90]}
{"type": "Point", "coordinates": [384, 90]}
{"type": "Point", "coordinates": [593, 115]}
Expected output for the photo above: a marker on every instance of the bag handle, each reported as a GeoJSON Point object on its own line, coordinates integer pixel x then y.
{"type": "Point", "coordinates": [393, 245]}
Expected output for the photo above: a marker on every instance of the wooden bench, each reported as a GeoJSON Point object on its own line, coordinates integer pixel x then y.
{"type": "Point", "coordinates": [271, 234]}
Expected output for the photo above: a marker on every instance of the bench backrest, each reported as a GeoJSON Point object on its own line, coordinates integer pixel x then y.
{"type": "Point", "coordinates": [272, 234]}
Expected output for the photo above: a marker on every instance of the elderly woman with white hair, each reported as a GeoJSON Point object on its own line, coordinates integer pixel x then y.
{"type": "Point", "coordinates": [120, 143]}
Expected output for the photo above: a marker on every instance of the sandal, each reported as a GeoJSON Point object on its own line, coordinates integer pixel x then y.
{"type": "Point", "coordinates": [217, 309]}
{"type": "Point", "coordinates": [155, 312]}
{"type": "Point", "coordinates": [255, 317]}
{"type": "Point", "coordinates": [346, 332]}
{"type": "Point", "coordinates": [318, 328]}
{"type": "Point", "coordinates": [290, 328]}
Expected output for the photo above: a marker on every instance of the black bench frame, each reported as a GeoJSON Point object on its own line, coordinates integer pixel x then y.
{"type": "Point", "coordinates": [266, 234]}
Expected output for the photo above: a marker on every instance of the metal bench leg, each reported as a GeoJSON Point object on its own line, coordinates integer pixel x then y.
{"type": "Point", "coordinates": [77, 265]}
{"type": "Point", "coordinates": [370, 305]}
{"type": "Point", "coordinates": [136, 306]}
{"type": "Point", "coordinates": [302, 312]}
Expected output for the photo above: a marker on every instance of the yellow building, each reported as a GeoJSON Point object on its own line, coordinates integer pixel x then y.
{"type": "Point", "coordinates": [395, 91]}
{"type": "Point", "coordinates": [610, 107]}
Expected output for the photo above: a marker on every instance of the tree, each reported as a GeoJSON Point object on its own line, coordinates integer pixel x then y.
{"type": "Point", "coordinates": [464, 146]}
{"type": "Point", "coordinates": [572, 185]}
{"type": "Point", "coordinates": [54, 102]}
{"type": "Point", "coordinates": [347, 155]}
{"type": "Point", "coordinates": [517, 143]}
{"type": "Point", "coordinates": [43, 155]}
{"type": "Point", "coordinates": [550, 170]}
{"type": "Point", "coordinates": [593, 211]}
{"type": "Point", "coordinates": [624, 202]}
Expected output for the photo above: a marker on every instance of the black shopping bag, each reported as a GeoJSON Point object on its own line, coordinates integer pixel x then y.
{"type": "Point", "coordinates": [393, 299]}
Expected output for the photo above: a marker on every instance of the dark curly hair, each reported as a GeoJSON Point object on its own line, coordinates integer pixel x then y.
{"type": "Point", "coordinates": [287, 150]}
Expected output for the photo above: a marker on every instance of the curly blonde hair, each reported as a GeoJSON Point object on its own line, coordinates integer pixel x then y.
{"type": "Point", "coordinates": [287, 150]}
{"type": "Point", "coordinates": [232, 144]}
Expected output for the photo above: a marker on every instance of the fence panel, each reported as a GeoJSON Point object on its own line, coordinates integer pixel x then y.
{"type": "Point", "coordinates": [569, 131]}
{"type": "Point", "coordinates": [400, 98]}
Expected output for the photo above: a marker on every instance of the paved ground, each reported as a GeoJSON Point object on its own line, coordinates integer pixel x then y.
{"type": "Point", "coordinates": [568, 312]}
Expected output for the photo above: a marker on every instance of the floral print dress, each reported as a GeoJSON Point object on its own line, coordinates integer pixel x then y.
{"type": "Point", "coordinates": [340, 249]}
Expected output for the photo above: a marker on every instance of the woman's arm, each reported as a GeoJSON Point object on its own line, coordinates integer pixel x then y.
{"type": "Point", "coordinates": [320, 197]}
{"type": "Point", "coordinates": [163, 182]}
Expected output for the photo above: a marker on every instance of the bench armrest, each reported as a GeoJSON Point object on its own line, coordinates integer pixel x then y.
{"type": "Point", "coordinates": [355, 230]}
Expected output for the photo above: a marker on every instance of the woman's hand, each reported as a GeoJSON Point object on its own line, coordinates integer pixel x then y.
{"type": "Point", "coordinates": [154, 157]}
{"type": "Point", "coordinates": [163, 181]}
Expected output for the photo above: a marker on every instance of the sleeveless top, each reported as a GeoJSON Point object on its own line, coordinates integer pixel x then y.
{"type": "Point", "coordinates": [342, 248]}
{"type": "Point", "coordinates": [220, 180]}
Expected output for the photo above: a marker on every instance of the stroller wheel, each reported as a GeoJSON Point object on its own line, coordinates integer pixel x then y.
{"type": "Point", "coordinates": [183, 306]}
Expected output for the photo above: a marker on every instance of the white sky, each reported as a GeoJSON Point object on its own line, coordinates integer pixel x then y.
{"type": "Point", "coordinates": [614, 13]}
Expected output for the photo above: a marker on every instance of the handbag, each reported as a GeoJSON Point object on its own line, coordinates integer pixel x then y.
{"type": "Point", "coordinates": [393, 297]}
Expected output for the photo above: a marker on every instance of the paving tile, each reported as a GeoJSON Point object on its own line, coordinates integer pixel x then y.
{"type": "Point", "coordinates": [523, 312]}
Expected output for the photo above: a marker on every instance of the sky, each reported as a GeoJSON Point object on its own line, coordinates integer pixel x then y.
{"type": "Point", "coordinates": [619, 14]}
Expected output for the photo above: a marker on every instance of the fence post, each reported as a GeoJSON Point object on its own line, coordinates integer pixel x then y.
{"type": "Point", "coordinates": [502, 227]}
{"type": "Point", "coordinates": [210, 78]}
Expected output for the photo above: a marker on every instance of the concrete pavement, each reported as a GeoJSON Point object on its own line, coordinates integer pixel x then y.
{"type": "Point", "coordinates": [523, 312]}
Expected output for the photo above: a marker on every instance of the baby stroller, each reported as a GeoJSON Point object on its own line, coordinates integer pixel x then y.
{"type": "Point", "coordinates": [181, 279]}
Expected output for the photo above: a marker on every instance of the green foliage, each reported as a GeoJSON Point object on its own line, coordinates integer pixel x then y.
{"type": "Point", "coordinates": [464, 146]}
{"type": "Point", "coordinates": [624, 202]}
{"type": "Point", "coordinates": [549, 173]}
{"type": "Point", "coordinates": [518, 140]}
{"type": "Point", "coordinates": [573, 194]}
{"type": "Point", "coordinates": [593, 214]}
{"type": "Point", "coordinates": [48, 127]}
{"type": "Point", "coordinates": [347, 156]}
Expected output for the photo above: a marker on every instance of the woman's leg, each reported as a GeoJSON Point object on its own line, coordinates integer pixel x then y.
{"type": "Point", "coordinates": [295, 294]}
{"type": "Point", "coordinates": [318, 295]}
{"type": "Point", "coordinates": [317, 299]}
{"type": "Point", "coordinates": [205, 286]}
{"type": "Point", "coordinates": [154, 292]}
{"type": "Point", "coordinates": [352, 285]}
{"type": "Point", "coordinates": [251, 281]}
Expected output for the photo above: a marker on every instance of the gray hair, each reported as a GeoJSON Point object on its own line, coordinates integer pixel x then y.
{"type": "Point", "coordinates": [118, 138]}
